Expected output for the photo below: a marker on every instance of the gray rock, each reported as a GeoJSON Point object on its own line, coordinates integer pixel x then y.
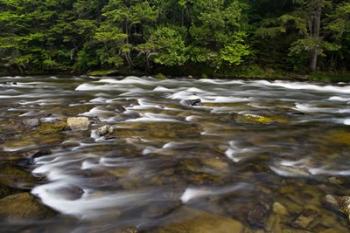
{"type": "Point", "coordinates": [78, 123]}
{"type": "Point", "coordinates": [339, 203]}
{"type": "Point", "coordinates": [104, 130]}
{"type": "Point", "coordinates": [31, 123]}
{"type": "Point", "coordinates": [306, 219]}
{"type": "Point", "coordinates": [191, 103]}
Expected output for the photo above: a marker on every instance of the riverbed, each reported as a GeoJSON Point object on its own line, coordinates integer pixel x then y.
{"type": "Point", "coordinates": [175, 155]}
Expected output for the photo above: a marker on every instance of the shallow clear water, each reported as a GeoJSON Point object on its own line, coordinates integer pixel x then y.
{"type": "Point", "coordinates": [228, 147]}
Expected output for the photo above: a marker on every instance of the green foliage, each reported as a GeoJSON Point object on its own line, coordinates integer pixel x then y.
{"type": "Point", "coordinates": [166, 47]}
{"type": "Point", "coordinates": [85, 35]}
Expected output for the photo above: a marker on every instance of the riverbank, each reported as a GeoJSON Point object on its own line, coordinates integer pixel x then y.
{"type": "Point", "coordinates": [247, 73]}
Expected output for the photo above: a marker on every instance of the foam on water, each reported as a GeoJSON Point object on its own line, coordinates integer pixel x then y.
{"type": "Point", "coordinates": [89, 205]}
{"type": "Point", "coordinates": [152, 117]}
{"type": "Point", "coordinates": [306, 86]}
{"type": "Point", "coordinates": [129, 80]}
{"type": "Point", "coordinates": [195, 193]}
{"type": "Point", "coordinates": [237, 154]}
{"type": "Point", "coordinates": [308, 108]}
{"type": "Point", "coordinates": [339, 98]}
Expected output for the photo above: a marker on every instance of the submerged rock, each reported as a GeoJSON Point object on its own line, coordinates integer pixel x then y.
{"type": "Point", "coordinates": [127, 230]}
{"type": "Point", "coordinates": [306, 219]}
{"type": "Point", "coordinates": [339, 137]}
{"type": "Point", "coordinates": [51, 127]}
{"type": "Point", "coordinates": [78, 123]}
{"type": "Point", "coordinates": [216, 164]}
{"type": "Point", "coordinates": [15, 177]}
{"type": "Point", "coordinates": [194, 102]}
{"type": "Point", "coordinates": [5, 191]}
{"type": "Point", "coordinates": [156, 130]}
{"type": "Point", "coordinates": [104, 130]}
{"type": "Point", "coordinates": [30, 156]}
{"type": "Point", "coordinates": [23, 206]}
{"type": "Point", "coordinates": [279, 209]}
{"type": "Point", "coordinates": [340, 203]}
{"type": "Point", "coordinates": [258, 119]}
{"type": "Point", "coordinates": [203, 222]}
{"type": "Point", "coordinates": [257, 216]}
{"type": "Point", "coordinates": [20, 143]}
{"type": "Point", "coordinates": [31, 123]}
{"type": "Point", "coordinates": [274, 223]}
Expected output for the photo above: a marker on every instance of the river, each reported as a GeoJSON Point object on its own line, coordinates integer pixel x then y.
{"type": "Point", "coordinates": [260, 154]}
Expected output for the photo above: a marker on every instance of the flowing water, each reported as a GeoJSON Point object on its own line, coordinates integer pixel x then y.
{"type": "Point", "coordinates": [234, 149]}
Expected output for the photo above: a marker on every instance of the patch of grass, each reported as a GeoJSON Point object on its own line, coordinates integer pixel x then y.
{"type": "Point", "coordinates": [102, 72]}
{"type": "Point", "coordinates": [330, 77]}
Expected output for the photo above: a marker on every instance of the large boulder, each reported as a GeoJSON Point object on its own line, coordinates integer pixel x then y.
{"type": "Point", "coordinates": [23, 206]}
{"type": "Point", "coordinates": [78, 123]}
{"type": "Point", "coordinates": [196, 221]}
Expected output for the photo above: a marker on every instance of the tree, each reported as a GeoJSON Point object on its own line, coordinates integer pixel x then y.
{"type": "Point", "coordinates": [216, 33]}
{"type": "Point", "coordinates": [165, 46]}
{"type": "Point", "coordinates": [306, 23]}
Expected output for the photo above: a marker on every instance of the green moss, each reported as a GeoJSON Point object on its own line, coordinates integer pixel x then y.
{"type": "Point", "coordinates": [49, 128]}
{"type": "Point", "coordinates": [18, 143]}
{"type": "Point", "coordinates": [257, 119]}
{"type": "Point", "coordinates": [160, 76]}
{"type": "Point", "coordinates": [23, 206]}
{"type": "Point", "coordinates": [339, 137]}
{"type": "Point", "coordinates": [46, 133]}
{"type": "Point", "coordinates": [12, 176]}
{"type": "Point", "coordinates": [330, 77]}
{"type": "Point", "coordinates": [102, 72]}
{"type": "Point", "coordinates": [157, 130]}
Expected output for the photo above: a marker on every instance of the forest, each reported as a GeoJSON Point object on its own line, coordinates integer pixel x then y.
{"type": "Point", "coordinates": [175, 37]}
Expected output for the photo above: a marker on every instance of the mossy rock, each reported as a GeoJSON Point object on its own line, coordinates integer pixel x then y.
{"type": "Point", "coordinates": [15, 144]}
{"type": "Point", "coordinates": [258, 119]}
{"type": "Point", "coordinates": [50, 128]}
{"type": "Point", "coordinates": [160, 76]}
{"type": "Point", "coordinates": [202, 222]}
{"type": "Point", "coordinates": [339, 137]}
{"type": "Point", "coordinates": [23, 206]}
{"type": "Point", "coordinates": [9, 126]}
{"type": "Point", "coordinates": [49, 139]}
{"type": "Point", "coordinates": [157, 130]}
{"type": "Point", "coordinates": [47, 134]}
{"type": "Point", "coordinates": [13, 176]}
{"type": "Point", "coordinates": [102, 72]}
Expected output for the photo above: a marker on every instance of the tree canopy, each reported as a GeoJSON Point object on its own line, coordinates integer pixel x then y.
{"type": "Point", "coordinates": [83, 35]}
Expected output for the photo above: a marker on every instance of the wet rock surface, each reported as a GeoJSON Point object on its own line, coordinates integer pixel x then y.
{"type": "Point", "coordinates": [23, 206]}
{"type": "Point", "coordinates": [13, 176]}
{"type": "Point", "coordinates": [202, 222]}
{"type": "Point", "coordinates": [78, 123]}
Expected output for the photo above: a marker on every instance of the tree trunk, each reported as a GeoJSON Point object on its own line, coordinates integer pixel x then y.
{"type": "Point", "coordinates": [314, 59]}
{"type": "Point", "coordinates": [315, 33]}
